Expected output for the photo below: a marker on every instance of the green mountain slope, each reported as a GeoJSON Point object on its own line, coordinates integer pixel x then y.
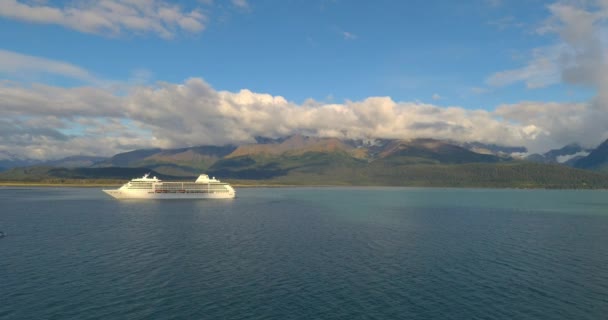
{"type": "Point", "coordinates": [174, 162]}
{"type": "Point", "coordinates": [510, 174]}
{"type": "Point", "coordinates": [431, 151]}
{"type": "Point", "coordinates": [297, 145]}
{"type": "Point", "coordinates": [497, 175]}
{"type": "Point", "coordinates": [52, 174]}
{"type": "Point", "coordinates": [273, 166]}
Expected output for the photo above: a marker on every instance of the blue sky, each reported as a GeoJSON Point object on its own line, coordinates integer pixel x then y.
{"type": "Point", "coordinates": [475, 55]}
{"type": "Point", "coordinates": [408, 50]}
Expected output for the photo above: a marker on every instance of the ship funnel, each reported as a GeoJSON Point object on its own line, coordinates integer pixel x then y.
{"type": "Point", "coordinates": [203, 178]}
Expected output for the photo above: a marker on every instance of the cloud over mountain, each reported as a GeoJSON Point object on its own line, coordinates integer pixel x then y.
{"type": "Point", "coordinates": [46, 121]}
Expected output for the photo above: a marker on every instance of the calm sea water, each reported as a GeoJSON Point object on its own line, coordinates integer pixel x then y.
{"type": "Point", "coordinates": [305, 253]}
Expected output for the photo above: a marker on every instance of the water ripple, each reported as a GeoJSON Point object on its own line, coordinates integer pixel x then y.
{"type": "Point", "coordinates": [303, 254]}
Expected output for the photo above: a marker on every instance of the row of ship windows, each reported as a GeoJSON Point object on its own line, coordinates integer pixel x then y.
{"type": "Point", "coordinates": [192, 185]}
{"type": "Point", "coordinates": [190, 191]}
{"type": "Point", "coordinates": [177, 188]}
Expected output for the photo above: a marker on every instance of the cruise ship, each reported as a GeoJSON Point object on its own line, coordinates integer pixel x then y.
{"type": "Point", "coordinates": [154, 188]}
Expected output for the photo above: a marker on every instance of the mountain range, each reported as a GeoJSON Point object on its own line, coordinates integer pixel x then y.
{"type": "Point", "coordinates": [597, 159]}
{"type": "Point", "coordinates": [300, 159]}
{"type": "Point", "coordinates": [567, 155]}
{"type": "Point", "coordinates": [9, 160]}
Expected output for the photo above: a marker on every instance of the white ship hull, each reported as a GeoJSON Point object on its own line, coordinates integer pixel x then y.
{"type": "Point", "coordinates": [119, 194]}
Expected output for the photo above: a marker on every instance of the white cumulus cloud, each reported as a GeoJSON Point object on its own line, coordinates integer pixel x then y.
{"type": "Point", "coordinates": [46, 121]}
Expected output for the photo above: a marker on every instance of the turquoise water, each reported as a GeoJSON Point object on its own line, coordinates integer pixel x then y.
{"type": "Point", "coordinates": [305, 253]}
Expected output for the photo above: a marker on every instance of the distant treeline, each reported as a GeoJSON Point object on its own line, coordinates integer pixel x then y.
{"type": "Point", "coordinates": [319, 168]}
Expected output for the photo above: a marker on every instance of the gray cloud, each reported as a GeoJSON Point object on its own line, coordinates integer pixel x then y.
{"type": "Point", "coordinates": [16, 64]}
{"type": "Point", "coordinates": [579, 58]}
{"type": "Point", "coordinates": [542, 71]}
{"type": "Point", "coordinates": [18, 132]}
{"type": "Point", "coordinates": [110, 17]}
{"type": "Point", "coordinates": [45, 100]}
{"type": "Point", "coordinates": [438, 126]}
